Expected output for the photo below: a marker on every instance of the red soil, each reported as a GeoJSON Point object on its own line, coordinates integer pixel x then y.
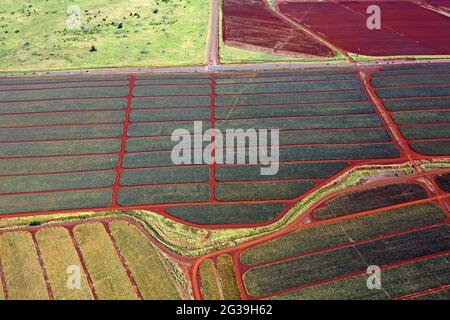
{"type": "Point", "coordinates": [440, 3]}
{"type": "Point", "coordinates": [252, 24]}
{"type": "Point", "coordinates": [407, 29]}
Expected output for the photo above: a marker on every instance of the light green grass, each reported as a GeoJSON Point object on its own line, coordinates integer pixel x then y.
{"type": "Point", "coordinates": [34, 34]}
{"type": "Point", "coordinates": [363, 58]}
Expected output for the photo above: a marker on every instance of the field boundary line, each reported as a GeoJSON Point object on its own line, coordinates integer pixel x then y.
{"type": "Point", "coordinates": [42, 265]}
{"type": "Point", "coordinates": [423, 292]}
{"type": "Point", "coordinates": [122, 260]}
{"type": "Point", "coordinates": [82, 262]}
{"type": "Point", "coordinates": [365, 77]}
{"type": "Point", "coordinates": [122, 152]}
{"type": "Point", "coordinates": [3, 281]}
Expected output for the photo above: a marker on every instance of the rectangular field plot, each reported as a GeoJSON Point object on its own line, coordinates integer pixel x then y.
{"type": "Point", "coordinates": [64, 200]}
{"type": "Point", "coordinates": [294, 110]}
{"type": "Point", "coordinates": [180, 90]}
{"type": "Point", "coordinates": [431, 148]}
{"type": "Point", "coordinates": [66, 118]}
{"type": "Point", "coordinates": [62, 105]}
{"type": "Point", "coordinates": [59, 148]}
{"type": "Point", "coordinates": [370, 199]}
{"type": "Point", "coordinates": [60, 94]}
{"type": "Point", "coordinates": [283, 190]}
{"type": "Point", "coordinates": [315, 170]}
{"type": "Point", "coordinates": [61, 133]}
{"type": "Point", "coordinates": [170, 114]}
{"type": "Point", "coordinates": [22, 272]}
{"type": "Point", "coordinates": [146, 265]}
{"type": "Point", "coordinates": [417, 103]}
{"type": "Point", "coordinates": [411, 80]}
{"type": "Point", "coordinates": [108, 276]}
{"type": "Point", "coordinates": [286, 87]}
{"type": "Point", "coordinates": [60, 181]}
{"type": "Point", "coordinates": [218, 280]}
{"type": "Point", "coordinates": [165, 175]}
{"type": "Point", "coordinates": [404, 118]}
{"type": "Point", "coordinates": [210, 285]}
{"type": "Point", "coordinates": [164, 194]}
{"type": "Point", "coordinates": [339, 233]}
{"type": "Point", "coordinates": [333, 152]}
{"type": "Point", "coordinates": [326, 122]}
{"type": "Point", "coordinates": [171, 102]}
{"type": "Point", "coordinates": [307, 97]}
{"type": "Point", "coordinates": [426, 132]}
{"type": "Point", "coordinates": [60, 256]}
{"type": "Point", "coordinates": [56, 164]}
{"type": "Point", "coordinates": [310, 269]}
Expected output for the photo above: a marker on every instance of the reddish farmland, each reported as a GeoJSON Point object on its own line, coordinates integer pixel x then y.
{"type": "Point", "coordinates": [407, 29]}
{"type": "Point", "coordinates": [250, 24]}
{"type": "Point", "coordinates": [444, 4]}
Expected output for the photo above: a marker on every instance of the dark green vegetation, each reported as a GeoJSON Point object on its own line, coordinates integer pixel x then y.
{"type": "Point", "coordinates": [419, 102]}
{"type": "Point", "coordinates": [286, 87]}
{"type": "Point", "coordinates": [294, 110]}
{"type": "Point", "coordinates": [61, 133]}
{"type": "Point", "coordinates": [411, 80]}
{"type": "Point", "coordinates": [227, 213]}
{"type": "Point", "coordinates": [356, 258]}
{"type": "Point", "coordinates": [426, 132]}
{"type": "Point", "coordinates": [262, 190]}
{"type": "Point", "coordinates": [69, 134]}
{"type": "Point", "coordinates": [66, 200]}
{"type": "Point", "coordinates": [165, 175]}
{"type": "Point", "coordinates": [436, 295]}
{"type": "Point", "coordinates": [443, 182]}
{"type": "Point", "coordinates": [60, 181]}
{"type": "Point", "coordinates": [432, 148]}
{"type": "Point", "coordinates": [396, 282]}
{"type": "Point", "coordinates": [342, 232]}
{"type": "Point", "coordinates": [286, 171]}
{"type": "Point", "coordinates": [422, 117]}
{"type": "Point", "coordinates": [163, 194]}
{"type": "Point", "coordinates": [370, 199]}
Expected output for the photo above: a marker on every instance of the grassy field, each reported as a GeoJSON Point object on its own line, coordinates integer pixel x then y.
{"type": "Point", "coordinates": [21, 270]}
{"type": "Point", "coordinates": [227, 278]}
{"type": "Point", "coordinates": [210, 285]}
{"type": "Point", "coordinates": [152, 278]}
{"type": "Point", "coordinates": [58, 254]}
{"type": "Point", "coordinates": [114, 33]}
{"type": "Point", "coordinates": [108, 276]}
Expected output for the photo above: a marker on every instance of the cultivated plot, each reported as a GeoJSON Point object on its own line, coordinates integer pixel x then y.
{"type": "Point", "coordinates": [101, 259]}
{"type": "Point", "coordinates": [402, 33]}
